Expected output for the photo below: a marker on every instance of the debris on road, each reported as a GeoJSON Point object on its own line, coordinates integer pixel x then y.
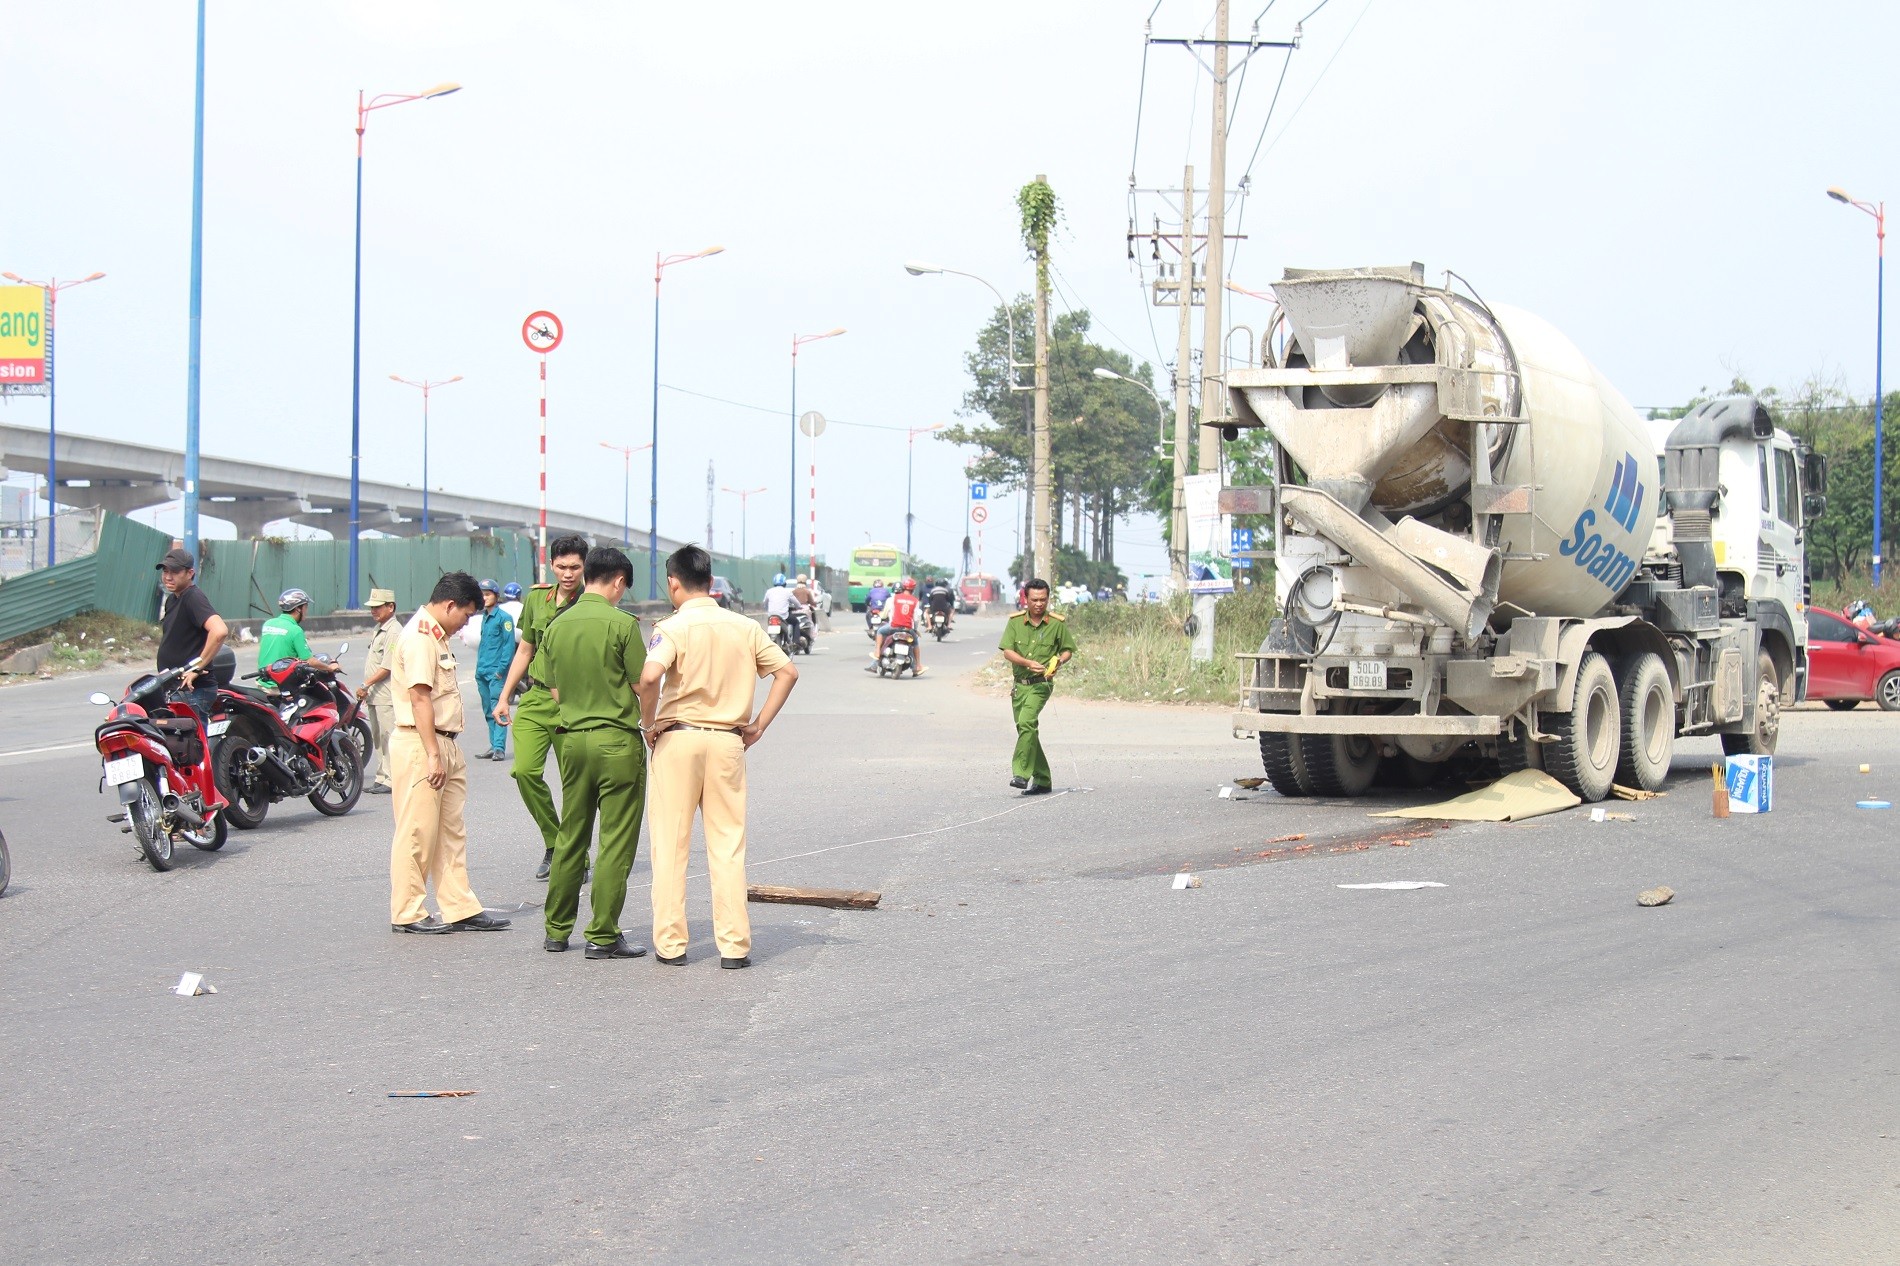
{"type": "Point", "coordinates": [1287, 839]}
{"type": "Point", "coordinates": [1621, 792]}
{"type": "Point", "coordinates": [1873, 804]}
{"type": "Point", "coordinates": [832, 898]}
{"type": "Point", "coordinates": [1185, 880]}
{"type": "Point", "coordinates": [430, 1094]}
{"type": "Point", "coordinates": [191, 984]}
{"type": "Point", "coordinates": [1866, 769]}
{"type": "Point", "coordinates": [1720, 774]}
{"type": "Point", "coordinates": [1655, 896]}
{"type": "Point", "coordinates": [1225, 792]}
{"type": "Point", "coordinates": [1525, 794]}
{"type": "Point", "coordinates": [1601, 814]}
{"type": "Point", "coordinates": [1254, 784]}
{"type": "Point", "coordinates": [1395, 885]}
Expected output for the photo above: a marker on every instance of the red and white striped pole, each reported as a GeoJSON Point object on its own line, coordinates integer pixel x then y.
{"type": "Point", "coordinates": [542, 550]}
{"type": "Point", "coordinates": [811, 547]}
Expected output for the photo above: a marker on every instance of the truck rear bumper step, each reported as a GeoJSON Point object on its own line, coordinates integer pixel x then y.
{"type": "Point", "coordinates": [1293, 723]}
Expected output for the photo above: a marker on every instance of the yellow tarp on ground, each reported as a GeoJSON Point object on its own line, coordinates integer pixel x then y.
{"type": "Point", "coordinates": [1525, 794]}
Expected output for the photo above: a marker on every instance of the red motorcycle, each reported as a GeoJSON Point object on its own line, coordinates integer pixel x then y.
{"type": "Point", "coordinates": [297, 736]}
{"type": "Point", "coordinates": [153, 754]}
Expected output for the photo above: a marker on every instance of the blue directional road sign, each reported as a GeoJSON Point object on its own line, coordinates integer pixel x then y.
{"type": "Point", "coordinates": [1243, 542]}
{"type": "Point", "coordinates": [979, 492]}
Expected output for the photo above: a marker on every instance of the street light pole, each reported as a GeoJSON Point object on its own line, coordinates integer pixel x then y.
{"type": "Point", "coordinates": [744, 495]}
{"type": "Point", "coordinates": [1878, 210]}
{"type": "Point", "coordinates": [1177, 512]}
{"type": "Point", "coordinates": [910, 454]}
{"type": "Point", "coordinates": [426, 387]}
{"type": "Point", "coordinates": [791, 540]}
{"type": "Point", "coordinates": [660, 264]}
{"type": "Point", "coordinates": [363, 109]}
{"type": "Point", "coordinates": [196, 301]}
{"type": "Point", "coordinates": [52, 288]}
{"type": "Point", "coordinates": [626, 491]}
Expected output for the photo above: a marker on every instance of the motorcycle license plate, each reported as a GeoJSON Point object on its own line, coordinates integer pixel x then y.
{"type": "Point", "coordinates": [124, 769]}
{"type": "Point", "coordinates": [217, 727]}
{"type": "Point", "coordinates": [1366, 674]}
{"type": "Point", "coordinates": [902, 652]}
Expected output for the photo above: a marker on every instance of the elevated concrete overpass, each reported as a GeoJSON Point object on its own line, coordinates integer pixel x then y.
{"type": "Point", "coordinates": [122, 477]}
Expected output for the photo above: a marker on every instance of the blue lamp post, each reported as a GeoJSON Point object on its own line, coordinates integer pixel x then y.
{"type": "Point", "coordinates": [1878, 210]}
{"type": "Point", "coordinates": [363, 109]}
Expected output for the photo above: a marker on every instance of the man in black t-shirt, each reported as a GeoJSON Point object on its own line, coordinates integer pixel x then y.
{"type": "Point", "coordinates": [190, 631]}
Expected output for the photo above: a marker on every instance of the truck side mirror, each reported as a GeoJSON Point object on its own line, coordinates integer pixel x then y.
{"type": "Point", "coordinates": [1814, 470]}
{"type": "Point", "coordinates": [1813, 506]}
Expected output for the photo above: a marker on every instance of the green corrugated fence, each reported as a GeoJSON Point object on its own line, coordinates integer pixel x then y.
{"type": "Point", "coordinates": [119, 577]}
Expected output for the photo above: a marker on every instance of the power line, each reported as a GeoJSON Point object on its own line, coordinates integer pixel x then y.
{"type": "Point", "coordinates": [779, 412]}
{"type": "Point", "coordinates": [1093, 318]}
{"type": "Point", "coordinates": [1322, 74]}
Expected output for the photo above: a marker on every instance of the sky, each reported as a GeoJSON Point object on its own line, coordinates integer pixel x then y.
{"type": "Point", "coordinates": [1650, 178]}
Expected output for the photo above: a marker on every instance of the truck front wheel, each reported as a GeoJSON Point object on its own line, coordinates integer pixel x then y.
{"type": "Point", "coordinates": [1760, 739]}
{"type": "Point", "coordinates": [1280, 756]}
{"type": "Point", "coordinates": [1586, 740]}
{"type": "Point", "coordinates": [1340, 764]}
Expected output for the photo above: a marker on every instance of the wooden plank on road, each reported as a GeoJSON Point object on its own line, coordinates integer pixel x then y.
{"type": "Point", "coordinates": [836, 898]}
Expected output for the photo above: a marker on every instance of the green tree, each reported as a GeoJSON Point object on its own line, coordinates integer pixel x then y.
{"type": "Point", "coordinates": [1102, 432]}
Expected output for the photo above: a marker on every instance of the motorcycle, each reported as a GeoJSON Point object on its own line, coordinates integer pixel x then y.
{"type": "Point", "coordinates": [939, 624]}
{"type": "Point", "coordinates": [792, 633]}
{"type": "Point", "coordinates": [153, 754]}
{"type": "Point", "coordinates": [296, 739]}
{"type": "Point", "coordinates": [900, 654]}
{"type": "Point", "coordinates": [6, 863]}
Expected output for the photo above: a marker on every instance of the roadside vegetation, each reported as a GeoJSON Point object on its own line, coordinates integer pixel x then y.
{"type": "Point", "coordinates": [86, 642]}
{"type": "Point", "coordinates": [1139, 652]}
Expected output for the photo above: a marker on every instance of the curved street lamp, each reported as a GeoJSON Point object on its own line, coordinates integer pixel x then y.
{"type": "Point", "coordinates": [1878, 210]}
{"type": "Point", "coordinates": [660, 265]}
{"type": "Point", "coordinates": [363, 110]}
{"type": "Point", "coordinates": [426, 387]}
{"type": "Point", "coordinates": [917, 268]}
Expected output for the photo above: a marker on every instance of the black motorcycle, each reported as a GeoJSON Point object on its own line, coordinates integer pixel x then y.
{"type": "Point", "coordinates": [939, 624]}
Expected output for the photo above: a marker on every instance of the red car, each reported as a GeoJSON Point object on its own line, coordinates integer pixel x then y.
{"type": "Point", "coordinates": [1846, 665]}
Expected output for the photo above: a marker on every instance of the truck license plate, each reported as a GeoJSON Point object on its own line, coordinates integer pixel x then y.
{"type": "Point", "coordinates": [1366, 674]}
{"type": "Point", "coordinates": [124, 769]}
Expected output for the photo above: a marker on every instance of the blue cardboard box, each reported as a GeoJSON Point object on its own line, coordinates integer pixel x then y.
{"type": "Point", "coordinates": [1751, 784]}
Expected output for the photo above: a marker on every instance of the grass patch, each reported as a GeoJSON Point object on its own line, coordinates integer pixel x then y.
{"type": "Point", "coordinates": [88, 641]}
{"type": "Point", "coordinates": [1138, 652]}
{"type": "Point", "coordinates": [1836, 594]}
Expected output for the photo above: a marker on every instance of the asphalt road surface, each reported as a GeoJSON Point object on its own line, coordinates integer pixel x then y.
{"type": "Point", "coordinates": [1035, 1051]}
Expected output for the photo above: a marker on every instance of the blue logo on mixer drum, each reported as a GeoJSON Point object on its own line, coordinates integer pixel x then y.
{"type": "Point", "coordinates": [1623, 506]}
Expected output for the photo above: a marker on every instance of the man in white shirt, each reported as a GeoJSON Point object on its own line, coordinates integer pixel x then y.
{"type": "Point", "coordinates": [778, 599]}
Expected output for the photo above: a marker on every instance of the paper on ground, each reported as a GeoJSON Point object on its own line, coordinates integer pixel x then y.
{"type": "Point", "coordinates": [1397, 885]}
{"type": "Point", "coordinates": [1525, 794]}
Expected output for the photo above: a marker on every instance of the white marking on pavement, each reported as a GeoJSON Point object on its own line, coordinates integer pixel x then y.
{"type": "Point", "coordinates": [35, 751]}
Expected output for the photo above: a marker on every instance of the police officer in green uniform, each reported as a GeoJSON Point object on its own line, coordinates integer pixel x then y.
{"type": "Point", "coordinates": [1036, 642]}
{"type": "Point", "coordinates": [593, 657]}
{"type": "Point", "coordinates": [535, 719]}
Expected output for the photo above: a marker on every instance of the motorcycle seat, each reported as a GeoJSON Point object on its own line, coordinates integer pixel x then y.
{"type": "Point", "coordinates": [270, 697]}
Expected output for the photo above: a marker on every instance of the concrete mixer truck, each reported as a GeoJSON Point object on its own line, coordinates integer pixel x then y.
{"type": "Point", "coordinates": [1482, 551]}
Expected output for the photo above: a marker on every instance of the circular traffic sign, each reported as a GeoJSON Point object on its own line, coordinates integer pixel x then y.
{"type": "Point", "coordinates": [541, 332]}
{"type": "Point", "coordinates": [979, 514]}
{"type": "Point", "coordinates": [812, 423]}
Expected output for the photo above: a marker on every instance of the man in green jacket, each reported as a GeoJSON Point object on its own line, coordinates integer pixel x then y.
{"type": "Point", "coordinates": [1036, 641]}
{"type": "Point", "coordinates": [593, 659]}
{"type": "Point", "coordinates": [535, 719]}
{"type": "Point", "coordinates": [282, 636]}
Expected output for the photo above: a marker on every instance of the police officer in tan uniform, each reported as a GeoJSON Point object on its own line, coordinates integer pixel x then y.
{"type": "Point", "coordinates": [702, 665]}
{"type": "Point", "coordinates": [375, 688]}
{"type": "Point", "coordinates": [429, 771]}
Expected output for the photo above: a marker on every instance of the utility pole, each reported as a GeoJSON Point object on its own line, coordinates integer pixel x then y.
{"type": "Point", "coordinates": [1044, 544]}
{"type": "Point", "coordinates": [1213, 344]}
{"type": "Point", "coordinates": [1183, 392]}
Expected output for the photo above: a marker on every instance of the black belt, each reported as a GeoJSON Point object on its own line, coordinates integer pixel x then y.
{"type": "Point", "coordinates": [589, 729]}
{"type": "Point", "coordinates": [708, 729]}
{"type": "Point", "coordinates": [447, 734]}
{"type": "Point", "coordinates": [532, 684]}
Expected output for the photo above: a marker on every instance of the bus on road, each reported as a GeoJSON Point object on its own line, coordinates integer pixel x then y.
{"type": "Point", "coordinates": [870, 564]}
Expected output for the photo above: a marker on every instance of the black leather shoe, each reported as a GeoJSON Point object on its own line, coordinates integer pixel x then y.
{"type": "Point", "coordinates": [553, 946]}
{"type": "Point", "coordinates": [619, 949]}
{"type": "Point", "coordinates": [1033, 790]}
{"type": "Point", "coordinates": [678, 960]}
{"type": "Point", "coordinates": [377, 789]}
{"type": "Point", "coordinates": [734, 964]}
{"type": "Point", "coordinates": [547, 864]}
{"type": "Point", "coordinates": [1019, 783]}
{"type": "Point", "coordinates": [428, 925]}
{"type": "Point", "coordinates": [481, 922]}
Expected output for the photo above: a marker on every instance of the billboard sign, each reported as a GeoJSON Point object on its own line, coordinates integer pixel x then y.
{"type": "Point", "coordinates": [1210, 536]}
{"type": "Point", "coordinates": [25, 337]}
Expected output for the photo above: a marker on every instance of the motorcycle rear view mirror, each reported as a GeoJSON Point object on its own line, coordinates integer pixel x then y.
{"type": "Point", "coordinates": [343, 650]}
{"type": "Point", "coordinates": [98, 700]}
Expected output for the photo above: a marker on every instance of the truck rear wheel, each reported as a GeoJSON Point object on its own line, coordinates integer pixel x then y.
{"type": "Point", "coordinates": [1649, 723]}
{"type": "Point", "coordinates": [1586, 740]}
{"type": "Point", "coordinates": [1340, 764]}
{"type": "Point", "coordinates": [1760, 739]}
{"type": "Point", "coordinates": [1280, 756]}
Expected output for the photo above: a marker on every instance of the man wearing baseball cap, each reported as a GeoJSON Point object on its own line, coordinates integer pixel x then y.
{"type": "Point", "coordinates": [375, 688]}
{"type": "Point", "coordinates": [190, 631]}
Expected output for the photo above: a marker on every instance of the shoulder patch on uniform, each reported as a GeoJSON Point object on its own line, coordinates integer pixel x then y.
{"type": "Point", "coordinates": [1057, 615]}
{"type": "Point", "coordinates": [549, 585]}
{"type": "Point", "coordinates": [653, 643]}
{"type": "Point", "coordinates": [1017, 615]}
